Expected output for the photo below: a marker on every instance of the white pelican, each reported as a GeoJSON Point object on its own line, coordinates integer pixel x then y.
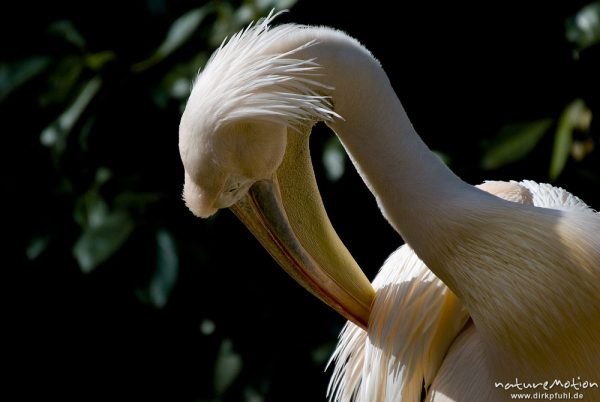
{"type": "Point", "coordinates": [517, 302]}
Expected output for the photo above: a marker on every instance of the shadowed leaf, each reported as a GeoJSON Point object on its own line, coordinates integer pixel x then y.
{"type": "Point", "coordinates": [95, 61]}
{"type": "Point", "coordinates": [167, 267]}
{"type": "Point", "coordinates": [282, 4]}
{"type": "Point", "coordinates": [514, 141]}
{"type": "Point", "coordinates": [100, 241]}
{"type": "Point", "coordinates": [334, 159]}
{"type": "Point", "coordinates": [227, 367]}
{"type": "Point", "coordinates": [55, 135]}
{"type": "Point", "coordinates": [62, 81]}
{"type": "Point", "coordinates": [181, 30]}
{"type": "Point", "coordinates": [37, 246]}
{"type": "Point", "coordinates": [67, 31]}
{"type": "Point", "coordinates": [13, 75]}
{"type": "Point", "coordinates": [583, 29]}
{"type": "Point", "coordinates": [576, 116]}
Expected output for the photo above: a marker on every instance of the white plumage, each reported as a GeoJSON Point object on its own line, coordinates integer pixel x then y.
{"type": "Point", "coordinates": [509, 290]}
{"type": "Point", "coordinates": [416, 318]}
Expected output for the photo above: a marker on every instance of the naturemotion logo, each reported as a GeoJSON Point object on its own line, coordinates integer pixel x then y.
{"type": "Point", "coordinates": [565, 384]}
{"type": "Point", "coordinates": [557, 389]}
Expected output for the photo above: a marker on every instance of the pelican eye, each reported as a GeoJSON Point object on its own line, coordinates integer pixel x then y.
{"type": "Point", "coordinates": [234, 189]}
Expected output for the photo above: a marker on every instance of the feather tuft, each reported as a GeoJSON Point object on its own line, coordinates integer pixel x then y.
{"type": "Point", "coordinates": [247, 79]}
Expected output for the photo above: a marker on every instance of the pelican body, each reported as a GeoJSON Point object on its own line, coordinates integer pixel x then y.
{"type": "Point", "coordinates": [494, 284]}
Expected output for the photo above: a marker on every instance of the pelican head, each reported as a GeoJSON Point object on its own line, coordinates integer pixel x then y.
{"type": "Point", "coordinates": [227, 161]}
{"type": "Point", "coordinates": [243, 140]}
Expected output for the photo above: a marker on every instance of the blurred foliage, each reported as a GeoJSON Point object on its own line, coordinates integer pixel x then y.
{"type": "Point", "coordinates": [583, 28]}
{"type": "Point", "coordinates": [114, 271]}
{"type": "Point", "coordinates": [572, 137]}
{"type": "Point", "coordinates": [81, 77]}
{"type": "Point", "coordinates": [514, 142]}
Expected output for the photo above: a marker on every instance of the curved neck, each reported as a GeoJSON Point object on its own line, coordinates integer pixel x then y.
{"type": "Point", "coordinates": [407, 179]}
{"type": "Point", "coordinates": [453, 227]}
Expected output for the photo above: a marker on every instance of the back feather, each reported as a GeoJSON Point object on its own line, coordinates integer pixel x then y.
{"type": "Point", "coordinates": [415, 319]}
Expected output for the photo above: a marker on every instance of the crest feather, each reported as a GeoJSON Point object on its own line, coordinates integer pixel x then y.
{"type": "Point", "coordinates": [246, 79]}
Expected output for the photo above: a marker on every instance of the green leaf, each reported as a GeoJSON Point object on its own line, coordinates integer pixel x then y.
{"type": "Point", "coordinates": [334, 159]}
{"type": "Point", "coordinates": [268, 5]}
{"type": "Point", "coordinates": [167, 268]}
{"type": "Point", "coordinates": [583, 29]}
{"type": "Point", "coordinates": [55, 135]}
{"type": "Point", "coordinates": [103, 175]}
{"type": "Point", "coordinates": [180, 31]}
{"type": "Point", "coordinates": [91, 209]}
{"type": "Point", "coordinates": [13, 75]}
{"type": "Point", "coordinates": [227, 367]}
{"type": "Point", "coordinates": [97, 212]}
{"type": "Point", "coordinates": [225, 24]}
{"type": "Point", "coordinates": [95, 61]}
{"type": "Point", "coordinates": [576, 116]}
{"type": "Point", "coordinates": [514, 142]}
{"type": "Point", "coordinates": [244, 14]}
{"type": "Point", "coordinates": [177, 83]}
{"type": "Point", "coordinates": [37, 246]}
{"type": "Point", "coordinates": [102, 239]}
{"type": "Point", "coordinates": [66, 30]}
{"type": "Point", "coordinates": [62, 81]}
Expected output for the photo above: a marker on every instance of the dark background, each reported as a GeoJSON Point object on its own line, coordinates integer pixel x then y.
{"type": "Point", "coordinates": [115, 291]}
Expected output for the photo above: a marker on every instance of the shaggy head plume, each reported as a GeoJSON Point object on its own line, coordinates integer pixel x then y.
{"type": "Point", "coordinates": [246, 78]}
{"type": "Point", "coordinates": [233, 131]}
